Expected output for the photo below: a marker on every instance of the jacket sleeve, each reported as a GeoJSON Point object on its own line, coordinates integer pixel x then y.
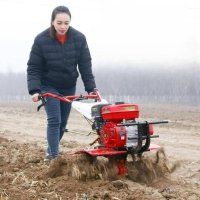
{"type": "Point", "coordinates": [85, 67]}
{"type": "Point", "coordinates": [34, 70]}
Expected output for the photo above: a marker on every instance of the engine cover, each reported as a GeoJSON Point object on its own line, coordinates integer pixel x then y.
{"type": "Point", "coordinates": [113, 136]}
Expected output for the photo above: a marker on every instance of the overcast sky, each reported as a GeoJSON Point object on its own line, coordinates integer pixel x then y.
{"type": "Point", "coordinates": [117, 31]}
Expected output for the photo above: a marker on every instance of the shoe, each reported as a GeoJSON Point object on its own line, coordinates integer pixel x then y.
{"type": "Point", "coordinates": [48, 158]}
{"type": "Point", "coordinates": [66, 130]}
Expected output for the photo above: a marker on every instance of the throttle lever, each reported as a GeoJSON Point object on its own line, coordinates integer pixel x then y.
{"type": "Point", "coordinates": [43, 99]}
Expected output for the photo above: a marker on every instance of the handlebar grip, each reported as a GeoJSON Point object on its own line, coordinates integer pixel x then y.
{"type": "Point", "coordinates": [43, 99]}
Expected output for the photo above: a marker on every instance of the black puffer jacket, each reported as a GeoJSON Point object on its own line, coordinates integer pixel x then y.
{"type": "Point", "coordinates": [54, 64]}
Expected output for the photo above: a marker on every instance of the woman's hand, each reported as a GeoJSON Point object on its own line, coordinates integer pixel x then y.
{"type": "Point", "coordinates": [35, 97]}
{"type": "Point", "coordinates": [94, 92]}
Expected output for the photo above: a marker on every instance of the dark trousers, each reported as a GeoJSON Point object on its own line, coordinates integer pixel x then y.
{"type": "Point", "coordinates": [57, 117]}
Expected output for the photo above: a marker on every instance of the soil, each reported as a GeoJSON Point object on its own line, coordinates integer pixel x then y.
{"type": "Point", "coordinates": [172, 172]}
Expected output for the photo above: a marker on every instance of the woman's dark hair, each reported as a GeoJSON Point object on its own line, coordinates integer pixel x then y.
{"type": "Point", "coordinates": [57, 10]}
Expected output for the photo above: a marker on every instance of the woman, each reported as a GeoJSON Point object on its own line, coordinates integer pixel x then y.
{"type": "Point", "coordinates": [52, 67]}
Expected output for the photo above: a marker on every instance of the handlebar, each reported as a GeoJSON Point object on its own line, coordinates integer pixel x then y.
{"type": "Point", "coordinates": [67, 99]}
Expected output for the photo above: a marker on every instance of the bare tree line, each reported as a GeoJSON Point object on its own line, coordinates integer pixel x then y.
{"type": "Point", "coordinates": [180, 85]}
{"type": "Point", "coordinates": [163, 85]}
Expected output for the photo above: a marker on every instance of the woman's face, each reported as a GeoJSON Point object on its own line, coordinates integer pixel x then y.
{"type": "Point", "coordinates": [61, 23]}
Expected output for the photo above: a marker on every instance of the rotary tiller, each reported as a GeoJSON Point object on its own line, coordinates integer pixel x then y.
{"type": "Point", "coordinates": [119, 133]}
